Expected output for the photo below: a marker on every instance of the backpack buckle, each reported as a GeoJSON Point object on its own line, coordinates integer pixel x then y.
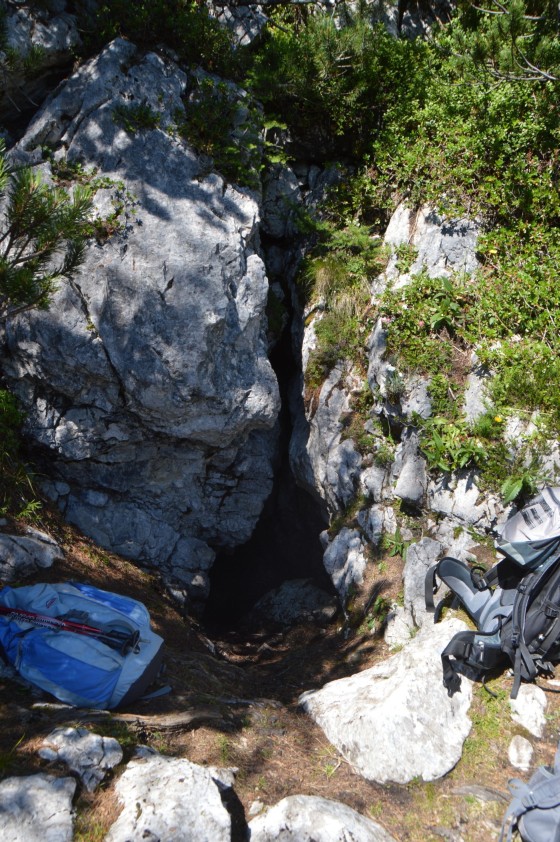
{"type": "Point", "coordinates": [477, 578]}
{"type": "Point", "coordinates": [551, 610]}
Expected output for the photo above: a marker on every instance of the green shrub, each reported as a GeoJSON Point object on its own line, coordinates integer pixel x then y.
{"type": "Point", "coordinates": [420, 318]}
{"type": "Point", "coordinates": [333, 85]}
{"type": "Point", "coordinates": [135, 117]}
{"type": "Point", "coordinates": [42, 237]}
{"type": "Point", "coordinates": [225, 125]}
{"type": "Point", "coordinates": [17, 494]}
{"type": "Point", "coordinates": [183, 25]}
{"type": "Point", "coordinates": [451, 445]}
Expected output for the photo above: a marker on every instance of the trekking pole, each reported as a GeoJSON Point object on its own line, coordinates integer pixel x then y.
{"type": "Point", "coordinates": [123, 642]}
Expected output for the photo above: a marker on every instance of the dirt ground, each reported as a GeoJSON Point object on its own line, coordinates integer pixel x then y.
{"type": "Point", "coordinates": [234, 703]}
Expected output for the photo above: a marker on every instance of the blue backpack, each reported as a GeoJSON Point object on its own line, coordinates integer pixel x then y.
{"type": "Point", "coordinates": [85, 646]}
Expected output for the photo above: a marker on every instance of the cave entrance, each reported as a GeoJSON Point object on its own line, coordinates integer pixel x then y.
{"type": "Point", "coordinates": [285, 543]}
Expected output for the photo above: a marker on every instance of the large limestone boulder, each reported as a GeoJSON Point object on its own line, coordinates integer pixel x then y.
{"type": "Point", "coordinates": [171, 798]}
{"type": "Point", "coordinates": [395, 721]}
{"type": "Point", "coordinates": [147, 383]}
{"type": "Point", "coordinates": [309, 818]}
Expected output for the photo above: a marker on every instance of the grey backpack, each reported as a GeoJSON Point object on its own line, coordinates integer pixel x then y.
{"type": "Point", "coordinates": [515, 605]}
{"type": "Point", "coordinates": [534, 810]}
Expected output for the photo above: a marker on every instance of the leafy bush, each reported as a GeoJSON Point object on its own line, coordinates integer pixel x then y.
{"type": "Point", "coordinates": [333, 85]}
{"type": "Point", "coordinates": [221, 123]}
{"type": "Point", "coordinates": [183, 25]}
{"type": "Point", "coordinates": [17, 496]}
{"type": "Point", "coordinates": [135, 117]}
{"type": "Point", "coordinates": [420, 318]}
{"type": "Point", "coordinates": [450, 445]}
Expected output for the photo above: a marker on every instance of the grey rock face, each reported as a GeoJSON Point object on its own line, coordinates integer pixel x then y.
{"type": "Point", "coordinates": [345, 560]}
{"type": "Point", "coordinates": [171, 798]}
{"type": "Point", "coordinates": [23, 555]}
{"type": "Point", "coordinates": [28, 29]}
{"type": "Point", "coordinates": [147, 381]}
{"type": "Point", "coordinates": [281, 195]}
{"type": "Point", "coordinates": [309, 818]}
{"type": "Point", "coordinates": [416, 20]}
{"type": "Point", "coordinates": [322, 459]}
{"type": "Point", "coordinates": [419, 558]}
{"type": "Point", "coordinates": [244, 23]}
{"type": "Point", "coordinates": [476, 391]}
{"type": "Point", "coordinates": [395, 721]}
{"type": "Point", "coordinates": [410, 468]}
{"type": "Point", "coordinates": [461, 501]}
{"type": "Point", "coordinates": [443, 246]}
{"type": "Point", "coordinates": [37, 808]}
{"type": "Point", "coordinates": [90, 755]}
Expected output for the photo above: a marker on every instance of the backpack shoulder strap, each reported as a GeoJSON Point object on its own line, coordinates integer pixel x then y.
{"type": "Point", "coordinates": [544, 795]}
{"type": "Point", "coordinates": [430, 589]}
{"type": "Point", "coordinates": [522, 658]}
{"type": "Point", "coordinates": [476, 650]}
{"type": "Point", "coordinates": [519, 653]}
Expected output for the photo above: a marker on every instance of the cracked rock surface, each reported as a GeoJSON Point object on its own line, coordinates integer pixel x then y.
{"type": "Point", "coordinates": [36, 808]}
{"type": "Point", "coordinates": [395, 721]}
{"type": "Point", "coordinates": [90, 755]}
{"type": "Point", "coordinates": [171, 798]}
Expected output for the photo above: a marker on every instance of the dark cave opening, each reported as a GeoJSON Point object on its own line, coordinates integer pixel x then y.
{"type": "Point", "coordinates": [285, 543]}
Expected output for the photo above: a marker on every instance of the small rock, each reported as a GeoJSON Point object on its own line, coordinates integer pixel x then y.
{"type": "Point", "coordinates": [400, 627]}
{"type": "Point", "coordinates": [482, 793]}
{"type": "Point", "coordinates": [528, 709]}
{"type": "Point", "coordinates": [309, 818]}
{"type": "Point", "coordinates": [90, 755]}
{"type": "Point", "coordinates": [23, 555]}
{"type": "Point", "coordinates": [345, 560]}
{"type": "Point", "coordinates": [476, 392]}
{"type": "Point", "coordinates": [419, 558]}
{"type": "Point", "coordinates": [520, 753]}
{"type": "Point", "coordinates": [255, 808]}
